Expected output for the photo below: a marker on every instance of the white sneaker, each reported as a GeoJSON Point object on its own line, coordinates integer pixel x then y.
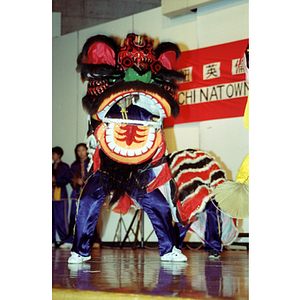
{"type": "Point", "coordinates": [175, 255]}
{"type": "Point", "coordinates": [77, 259]}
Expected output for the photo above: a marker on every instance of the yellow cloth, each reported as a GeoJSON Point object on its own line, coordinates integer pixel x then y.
{"type": "Point", "coordinates": [56, 194]}
{"type": "Point", "coordinates": [243, 172]}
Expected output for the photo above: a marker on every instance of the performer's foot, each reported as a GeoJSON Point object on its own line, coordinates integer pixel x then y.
{"type": "Point", "coordinates": [77, 259]}
{"type": "Point", "coordinates": [214, 254]}
{"type": "Point", "coordinates": [175, 255]}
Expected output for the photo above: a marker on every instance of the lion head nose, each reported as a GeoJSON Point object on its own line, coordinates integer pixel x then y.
{"type": "Point", "coordinates": [133, 75]}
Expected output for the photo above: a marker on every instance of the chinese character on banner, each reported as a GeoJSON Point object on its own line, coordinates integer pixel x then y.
{"type": "Point", "coordinates": [237, 66]}
{"type": "Point", "coordinates": [187, 73]}
{"type": "Point", "coordinates": [211, 71]}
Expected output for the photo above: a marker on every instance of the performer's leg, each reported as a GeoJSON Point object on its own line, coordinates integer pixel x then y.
{"type": "Point", "coordinates": [60, 215]}
{"type": "Point", "coordinates": [213, 228]}
{"type": "Point", "coordinates": [72, 216]}
{"type": "Point", "coordinates": [159, 213]}
{"type": "Point", "coordinates": [53, 224]}
{"type": "Point", "coordinates": [90, 203]}
{"type": "Point", "coordinates": [69, 239]}
{"type": "Point", "coordinates": [181, 233]}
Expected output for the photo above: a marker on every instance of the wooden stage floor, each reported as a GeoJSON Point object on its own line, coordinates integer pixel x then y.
{"type": "Point", "coordinates": [115, 273]}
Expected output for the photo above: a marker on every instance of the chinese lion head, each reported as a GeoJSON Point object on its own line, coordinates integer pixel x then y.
{"type": "Point", "coordinates": [131, 89]}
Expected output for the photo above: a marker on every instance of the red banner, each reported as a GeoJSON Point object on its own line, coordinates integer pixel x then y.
{"type": "Point", "coordinates": [214, 85]}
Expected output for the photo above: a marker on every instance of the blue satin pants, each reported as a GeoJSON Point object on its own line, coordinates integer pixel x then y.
{"type": "Point", "coordinates": [73, 211]}
{"type": "Point", "coordinates": [213, 228]}
{"type": "Point", "coordinates": [91, 200]}
{"type": "Point", "coordinates": [60, 221]}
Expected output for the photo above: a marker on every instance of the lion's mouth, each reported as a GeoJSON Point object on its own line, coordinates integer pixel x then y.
{"type": "Point", "coordinates": [131, 125]}
{"type": "Point", "coordinates": [152, 102]}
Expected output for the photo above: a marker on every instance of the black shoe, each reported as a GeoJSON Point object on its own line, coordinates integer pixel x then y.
{"type": "Point", "coordinates": [214, 254]}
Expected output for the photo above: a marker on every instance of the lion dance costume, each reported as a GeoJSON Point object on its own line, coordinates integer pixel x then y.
{"type": "Point", "coordinates": [131, 89]}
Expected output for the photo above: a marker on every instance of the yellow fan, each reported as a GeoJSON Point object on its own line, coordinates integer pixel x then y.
{"type": "Point", "coordinates": [233, 197]}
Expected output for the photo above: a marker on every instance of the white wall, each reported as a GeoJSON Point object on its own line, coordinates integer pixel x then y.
{"type": "Point", "coordinates": [226, 139]}
{"type": "Point", "coordinates": [64, 94]}
{"type": "Point", "coordinates": [223, 22]}
{"type": "Point", "coordinates": [56, 24]}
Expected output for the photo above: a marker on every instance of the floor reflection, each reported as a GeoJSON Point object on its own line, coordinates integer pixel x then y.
{"type": "Point", "coordinates": [141, 271]}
